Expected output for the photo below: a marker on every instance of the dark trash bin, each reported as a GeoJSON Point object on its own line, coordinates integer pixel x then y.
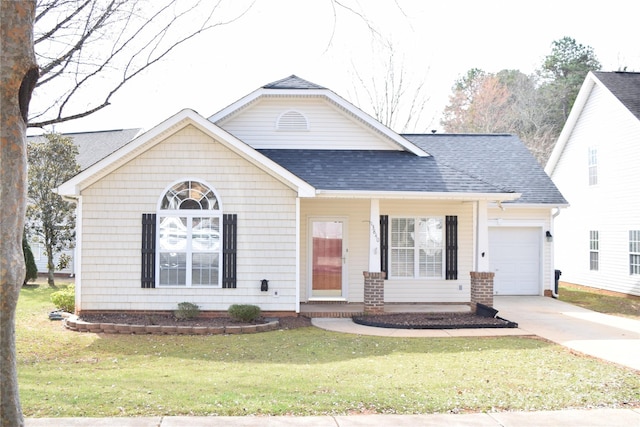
{"type": "Point", "coordinates": [558, 274]}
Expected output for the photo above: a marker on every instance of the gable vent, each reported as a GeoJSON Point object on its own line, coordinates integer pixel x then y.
{"type": "Point", "coordinates": [292, 120]}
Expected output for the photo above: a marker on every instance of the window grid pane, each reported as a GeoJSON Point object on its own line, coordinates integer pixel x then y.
{"type": "Point", "coordinates": [417, 247]}
{"type": "Point", "coordinates": [634, 251]}
{"type": "Point", "coordinates": [594, 246]}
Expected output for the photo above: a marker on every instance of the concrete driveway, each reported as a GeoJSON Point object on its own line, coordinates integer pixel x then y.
{"type": "Point", "coordinates": [612, 338]}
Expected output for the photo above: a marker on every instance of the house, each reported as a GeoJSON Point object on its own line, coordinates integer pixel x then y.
{"type": "Point", "coordinates": [92, 147]}
{"type": "Point", "coordinates": [293, 195]}
{"type": "Point", "coordinates": [595, 165]}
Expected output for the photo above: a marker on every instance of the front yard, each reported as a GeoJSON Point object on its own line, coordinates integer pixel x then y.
{"type": "Point", "coordinates": [300, 372]}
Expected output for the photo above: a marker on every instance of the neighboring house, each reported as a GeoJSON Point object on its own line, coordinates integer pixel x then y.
{"type": "Point", "coordinates": [92, 147]}
{"type": "Point", "coordinates": [595, 165]}
{"type": "Point", "coordinates": [295, 189]}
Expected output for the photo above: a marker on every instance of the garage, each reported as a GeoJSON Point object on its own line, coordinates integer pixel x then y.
{"type": "Point", "coordinates": [514, 257]}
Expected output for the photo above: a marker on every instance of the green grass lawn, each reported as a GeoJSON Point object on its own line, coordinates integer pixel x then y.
{"type": "Point", "coordinates": [601, 301]}
{"type": "Point", "coordinates": [304, 371]}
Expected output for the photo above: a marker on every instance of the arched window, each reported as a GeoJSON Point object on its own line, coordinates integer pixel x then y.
{"type": "Point", "coordinates": [189, 236]}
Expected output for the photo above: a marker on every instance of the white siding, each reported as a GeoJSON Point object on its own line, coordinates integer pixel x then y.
{"type": "Point", "coordinates": [329, 126]}
{"type": "Point", "coordinates": [611, 207]}
{"type": "Point", "coordinates": [112, 209]}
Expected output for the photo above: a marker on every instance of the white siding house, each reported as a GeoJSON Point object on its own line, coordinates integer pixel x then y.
{"type": "Point", "coordinates": [294, 186]}
{"type": "Point", "coordinates": [595, 165]}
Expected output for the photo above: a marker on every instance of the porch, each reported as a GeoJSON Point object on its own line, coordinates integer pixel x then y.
{"type": "Point", "coordinates": [337, 310]}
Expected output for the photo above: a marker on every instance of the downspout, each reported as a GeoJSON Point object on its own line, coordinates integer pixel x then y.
{"type": "Point", "coordinates": [554, 294]}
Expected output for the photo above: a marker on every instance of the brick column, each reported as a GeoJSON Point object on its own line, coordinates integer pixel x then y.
{"type": "Point", "coordinates": [373, 292]}
{"type": "Point", "coordinates": [481, 289]}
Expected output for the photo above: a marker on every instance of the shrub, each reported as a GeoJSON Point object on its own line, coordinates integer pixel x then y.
{"type": "Point", "coordinates": [187, 310]}
{"type": "Point", "coordinates": [244, 312]}
{"type": "Point", "coordinates": [65, 299]}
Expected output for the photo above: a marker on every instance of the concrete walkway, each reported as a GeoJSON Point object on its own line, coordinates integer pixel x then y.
{"type": "Point", "coordinates": [610, 338]}
{"type": "Point", "coordinates": [582, 418]}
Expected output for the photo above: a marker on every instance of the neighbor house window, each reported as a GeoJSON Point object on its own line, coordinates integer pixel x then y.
{"type": "Point", "coordinates": [417, 247]}
{"type": "Point", "coordinates": [594, 248]}
{"type": "Point", "coordinates": [189, 236]}
{"type": "Point", "coordinates": [593, 166]}
{"type": "Point", "coordinates": [634, 251]}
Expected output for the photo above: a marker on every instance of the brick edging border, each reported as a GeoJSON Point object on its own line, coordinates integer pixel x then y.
{"type": "Point", "coordinates": [77, 325]}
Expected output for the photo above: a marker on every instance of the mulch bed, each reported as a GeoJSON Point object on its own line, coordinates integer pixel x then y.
{"type": "Point", "coordinates": [170, 320]}
{"type": "Point", "coordinates": [433, 321]}
{"type": "Point", "coordinates": [395, 320]}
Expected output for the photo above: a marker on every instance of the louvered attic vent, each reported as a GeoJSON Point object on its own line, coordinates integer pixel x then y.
{"type": "Point", "coordinates": [292, 120]}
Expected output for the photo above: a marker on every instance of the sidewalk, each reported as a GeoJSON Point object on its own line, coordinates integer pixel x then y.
{"type": "Point", "coordinates": [582, 418]}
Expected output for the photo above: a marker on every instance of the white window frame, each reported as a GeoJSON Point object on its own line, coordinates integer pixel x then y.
{"type": "Point", "coordinates": [634, 252]}
{"type": "Point", "coordinates": [189, 215]}
{"type": "Point", "coordinates": [393, 273]}
{"type": "Point", "coordinates": [593, 166]}
{"type": "Point", "coordinates": [594, 250]}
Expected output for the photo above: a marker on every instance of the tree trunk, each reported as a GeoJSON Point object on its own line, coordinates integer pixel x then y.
{"type": "Point", "coordinates": [51, 267]}
{"type": "Point", "coordinates": [18, 76]}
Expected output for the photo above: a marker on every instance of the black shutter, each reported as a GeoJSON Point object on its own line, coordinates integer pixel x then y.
{"type": "Point", "coordinates": [451, 248]}
{"type": "Point", "coordinates": [384, 244]}
{"type": "Point", "coordinates": [229, 247]}
{"type": "Point", "coordinates": [148, 250]}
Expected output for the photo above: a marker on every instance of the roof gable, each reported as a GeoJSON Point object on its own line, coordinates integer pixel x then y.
{"type": "Point", "coordinates": [293, 87]}
{"type": "Point", "coordinates": [159, 133]}
{"type": "Point", "coordinates": [623, 86]}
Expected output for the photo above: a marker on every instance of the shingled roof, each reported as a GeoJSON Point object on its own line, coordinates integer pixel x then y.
{"type": "Point", "coordinates": [623, 85]}
{"type": "Point", "coordinates": [458, 164]}
{"type": "Point", "coordinates": [95, 146]}
{"type": "Point", "coordinates": [292, 82]}
{"type": "Point", "coordinates": [499, 159]}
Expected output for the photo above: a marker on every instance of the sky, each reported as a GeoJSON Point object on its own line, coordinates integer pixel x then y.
{"type": "Point", "coordinates": [434, 43]}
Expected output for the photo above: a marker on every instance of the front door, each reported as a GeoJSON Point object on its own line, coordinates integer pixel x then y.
{"type": "Point", "coordinates": [327, 258]}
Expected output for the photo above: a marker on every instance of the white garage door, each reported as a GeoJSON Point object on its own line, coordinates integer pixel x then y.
{"type": "Point", "coordinates": [514, 257]}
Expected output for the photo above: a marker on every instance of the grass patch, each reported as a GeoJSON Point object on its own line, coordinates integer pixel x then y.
{"type": "Point", "coordinates": [600, 301]}
{"type": "Point", "coordinates": [304, 371]}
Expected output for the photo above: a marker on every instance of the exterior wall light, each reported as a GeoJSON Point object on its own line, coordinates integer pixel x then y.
{"type": "Point", "coordinates": [549, 236]}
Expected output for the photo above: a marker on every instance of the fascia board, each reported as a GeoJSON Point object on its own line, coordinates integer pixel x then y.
{"type": "Point", "coordinates": [398, 140]}
{"type": "Point", "coordinates": [345, 194]}
{"type": "Point", "coordinates": [169, 126]}
{"type": "Point", "coordinates": [572, 119]}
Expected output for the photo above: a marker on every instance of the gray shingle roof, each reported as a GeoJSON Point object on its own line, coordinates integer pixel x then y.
{"type": "Point", "coordinates": [373, 170]}
{"type": "Point", "coordinates": [625, 86]}
{"type": "Point", "coordinates": [502, 160]}
{"type": "Point", "coordinates": [95, 146]}
{"type": "Point", "coordinates": [292, 82]}
{"type": "Point", "coordinates": [458, 164]}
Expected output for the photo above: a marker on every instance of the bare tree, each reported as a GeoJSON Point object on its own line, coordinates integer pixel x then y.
{"type": "Point", "coordinates": [392, 97]}
{"type": "Point", "coordinates": [89, 49]}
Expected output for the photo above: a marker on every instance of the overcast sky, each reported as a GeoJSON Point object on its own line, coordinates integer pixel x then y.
{"type": "Point", "coordinates": [436, 41]}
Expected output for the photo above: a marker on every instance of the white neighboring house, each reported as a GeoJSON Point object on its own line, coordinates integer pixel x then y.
{"type": "Point", "coordinates": [293, 195]}
{"type": "Point", "coordinates": [596, 166]}
{"type": "Point", "coordinates": [92, 147]}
